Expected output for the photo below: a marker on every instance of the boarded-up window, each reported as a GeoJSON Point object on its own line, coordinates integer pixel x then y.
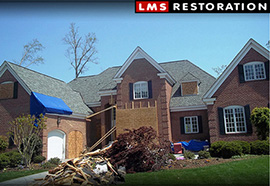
{"type": "Point", "coordinates": [7, 90]}
{"type": "Point", "coordinates": [189, 88]}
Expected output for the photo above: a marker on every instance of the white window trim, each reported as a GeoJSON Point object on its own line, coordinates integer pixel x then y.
{"type": "Point", "coordinates": [253, 64]}
{"type": "Point", "coordinates": [140, 82]}
{"type": "Point", "coordinates": [192, 125]}
{"type": "Point", "coordinates": [234, 107]}
{"type": "Point", "coordinates": [7, 82]}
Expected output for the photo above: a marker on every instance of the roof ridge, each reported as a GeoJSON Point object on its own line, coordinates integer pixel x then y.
{"type": "Point", "coordinates": [176, 61]}
{"type": "Point", "coordinates": [35, 71]}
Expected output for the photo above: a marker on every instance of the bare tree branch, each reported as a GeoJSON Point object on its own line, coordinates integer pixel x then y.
{"type": "Point", "coordinates": [30, 53]}
{"type": "Point", "coordinates": [81, 50]}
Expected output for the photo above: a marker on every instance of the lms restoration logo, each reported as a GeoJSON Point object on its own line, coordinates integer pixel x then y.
{"type": "Point", "coordinates": [202, 7]}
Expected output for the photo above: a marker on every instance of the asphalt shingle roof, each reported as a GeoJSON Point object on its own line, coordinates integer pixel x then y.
{"type": "Point", "coordinates": [184, 70]}
{"type": "Point", "coordinates": [47, 85]}
{"type": "Point", "coordinates": [89, 86]}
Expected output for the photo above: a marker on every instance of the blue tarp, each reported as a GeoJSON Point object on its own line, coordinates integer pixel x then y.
{"type": "Point", "coordinates": [194, 145]}
{"type": "Point", "coordinates": [42, 104]}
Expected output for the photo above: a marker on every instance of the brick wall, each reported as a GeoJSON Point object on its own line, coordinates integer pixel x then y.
{"type": "Point", "coordinates": [176, 130]}
{"type": "Point", "coordinates": [12, 108]}
{"type": "Point", "coordinates": [66, 125]}
{"type": "Point", "coordinates": [142, 70]}
{"type": "Point", "coordinates": [231, 92]}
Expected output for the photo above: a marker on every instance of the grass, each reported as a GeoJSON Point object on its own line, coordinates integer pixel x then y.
{"type": "Point", "coordinates": [4, 176]}
{"type": "Point", "coordinates": [252, 171]}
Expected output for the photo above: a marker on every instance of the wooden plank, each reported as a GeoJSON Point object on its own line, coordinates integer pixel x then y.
{"type": "Point", "coordinates": [104, 110]}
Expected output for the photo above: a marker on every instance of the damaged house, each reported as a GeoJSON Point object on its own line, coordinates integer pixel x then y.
{"type": "Point", "coordinates": [178, 99]}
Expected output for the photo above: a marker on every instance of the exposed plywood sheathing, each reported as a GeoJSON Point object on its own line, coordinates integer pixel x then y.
{"type": "Point", "coordinates": [134, 118]}
{"type": "Point", "coordinates": [75, 144]}
{"type": "Point", "coordinates": [6, 91]}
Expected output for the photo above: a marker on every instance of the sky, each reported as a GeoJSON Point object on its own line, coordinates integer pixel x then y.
{"type": "Point", "coordinates": [207, 40]}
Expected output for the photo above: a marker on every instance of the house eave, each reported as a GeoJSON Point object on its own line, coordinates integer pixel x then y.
{"type": "Point", "coordinates": [188, 108]}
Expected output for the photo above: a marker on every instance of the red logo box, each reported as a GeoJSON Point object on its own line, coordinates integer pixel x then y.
{"type": "Point", "coordinates": [152, 6]}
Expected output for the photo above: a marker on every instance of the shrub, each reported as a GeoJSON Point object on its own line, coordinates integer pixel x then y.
{"type": "Point", "coordinates": [4, 160]}
{"type": "Point", "coordinates": [48, 165]}
{"type": "Point", "coordinates": [137, 151]}
{"type": "Point", "coordinates": [38, 159]}
{"type": "Point", "coordinates": [38, 147]}
{"type": "Point", "coordinates": [189, 155]}
{"type": "Point", "coordinates": [215, 149]}
{"type": "Point", "coordinates": [15, 158]}
{"type": "Point", "coordinates": [55, 161]}
{"type": "Point", "coordinates": [260, 147]}
{"type": "Point", "coordinates": [245, 146]}
{"type": "Point", "coordinates": [3, 143]}
{"type": "Point", "coordinates": [204, 154]}
{"type": "Point", "coordinates": [230, 149]}
{"type": "Point", "coordinates": [260, 119]}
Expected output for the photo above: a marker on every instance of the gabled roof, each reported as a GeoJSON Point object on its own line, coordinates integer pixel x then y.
{"type": "Point", "coordinates": [90, 86]}
{"type": "Point", "coordinates": [139, 53]}
{"type": "Point", "coordinates": [251, 44]}
{"type": "Point", "coordinates": [33, 81]}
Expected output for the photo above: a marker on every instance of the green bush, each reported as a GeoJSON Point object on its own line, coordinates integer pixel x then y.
{"type": "Point", "coordinates": [189, 155]}
{"type": "Point", "coordinates": [245, 146]}
{"type": "Point", "coordinates": [4, 161]}
{"type": "Point", "coordinates": [15, 158]}
{"type": "Point", "coordinates": [3, 143]}
{"type": "Point", "coordinates": [259, 147]}
{"type": "Point", "coordinates": [204, 154]}
{"type": "Point", "coordinates": [215, 149]}
{"type": "Point", "coordinates": [260, 119]}
{"type": "Point", "coordinates": [55, 161]}
{"type": "Point", "coordinates": [48, 165]}
{"type": "Point", "coordinates": [230, 149]}
{"type": "Point", "coordinates": [38, 159]}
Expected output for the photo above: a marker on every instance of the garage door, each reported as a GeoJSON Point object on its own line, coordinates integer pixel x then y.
{"type": "Point", "coordinates": [56, 144]}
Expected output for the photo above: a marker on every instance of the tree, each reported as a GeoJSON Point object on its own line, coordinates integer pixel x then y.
{"type": "Point", "coordinates": [24, 130]}
{"type": "Point", "coordinates": [220, 69]}
{"type": "Point", "coordinates": [81, 50]}
{"type": "Point", "coordinates": [260, 119]}
{"type": "Point", "coordinates": [30, 53]}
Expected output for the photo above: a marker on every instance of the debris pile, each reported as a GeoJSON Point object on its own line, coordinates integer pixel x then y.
{"type": "Point", "coordinates": [89, 169]}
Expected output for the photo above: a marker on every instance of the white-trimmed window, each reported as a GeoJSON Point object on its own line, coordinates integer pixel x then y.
{"type": "Point", "coordinates": [140, 90]}
{"type": "Point", "coordinates": [191, 124]}
{"type": "Point", "coordinates": [234, 119]}
{"type": "Point", "coordinates": [254, 71]}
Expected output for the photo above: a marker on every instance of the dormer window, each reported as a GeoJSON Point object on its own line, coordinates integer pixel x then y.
{"type": "Point", "coordinates": [189, 88]}
{"type": "Point", "coordinates": [140, 90]}
{"type": "Point", "coordinates": [254, 71]}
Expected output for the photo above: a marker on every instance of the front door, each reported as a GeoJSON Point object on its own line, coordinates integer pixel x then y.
{"type": "Point", "coordinates": [56, 145]}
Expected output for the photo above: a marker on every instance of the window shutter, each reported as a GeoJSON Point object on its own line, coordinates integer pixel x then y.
{"type": "Point", "coordinates": [266, 66]}
{"type": "Point", "coordinates": [200, 124]}
{"type": "Point", "coordinates": [130, 91]}
{"type": "Point", "coordinates": [182, 125]}
{"type": "Point", "coordinates": [15, 90]}
{"type": "Point", "coordinates": [150, 89]}
{"type": "Point", "coordinates": [221, 120]}
{"type": "Point", "coordinates": [241, 73]}
{"type": "Point", "coordinates": [248, 122]}
{"type": "Point", "coordinates": [180, 90]}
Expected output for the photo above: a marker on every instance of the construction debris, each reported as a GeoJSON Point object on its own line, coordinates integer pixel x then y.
{"type": "Point", "coordinates": [88, 169]}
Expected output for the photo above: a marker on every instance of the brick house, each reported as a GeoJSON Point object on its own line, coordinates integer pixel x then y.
{"type": "Point", "coordinates": [178, 99]}
{"type": "Point", "coordinates": [243, 86]}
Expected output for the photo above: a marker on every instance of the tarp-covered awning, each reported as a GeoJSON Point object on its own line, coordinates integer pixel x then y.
{"type": "Point", "coordinates": [42, 104]}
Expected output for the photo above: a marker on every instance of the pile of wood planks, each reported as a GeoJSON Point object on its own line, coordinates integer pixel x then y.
{"type": "Point", "coordinates": [90, 168]}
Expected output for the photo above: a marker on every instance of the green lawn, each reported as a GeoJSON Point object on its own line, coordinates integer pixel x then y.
{"type": "Point", "coordinates": [252, 171]}
{"type": "Point", "coordinates": [16, 174]}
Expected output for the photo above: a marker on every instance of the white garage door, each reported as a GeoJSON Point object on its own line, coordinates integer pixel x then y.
{"type": "Point", "coordinates": [56, 144]}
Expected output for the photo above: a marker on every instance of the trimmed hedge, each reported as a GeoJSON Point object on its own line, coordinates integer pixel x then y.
{"type": "Point", "coordinates": [237, 148]}
{"type": "Point", "coordinates": [260, 147]}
